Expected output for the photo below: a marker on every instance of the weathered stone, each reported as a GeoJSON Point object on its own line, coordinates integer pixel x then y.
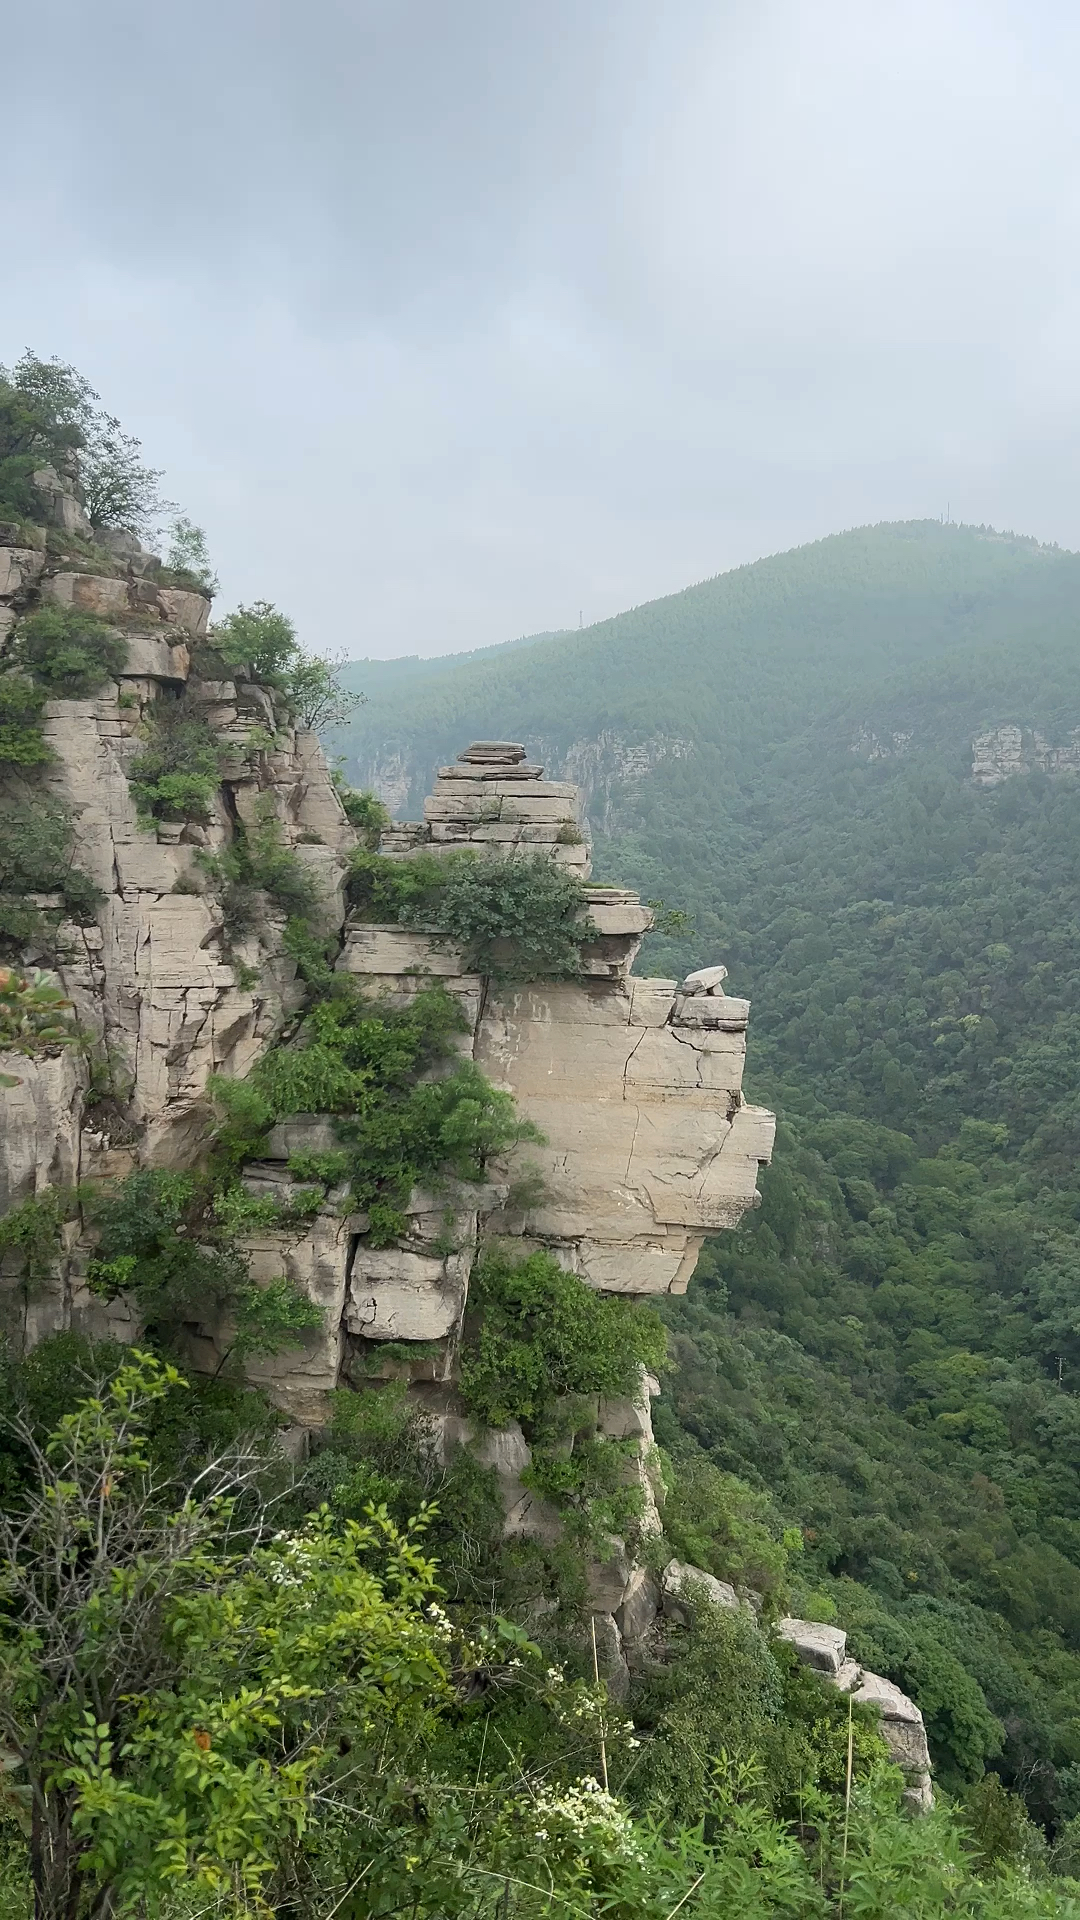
{"type": "Point", "coordinates": [817, 1645]}
{"type": "Point", "coordinates": [902, 1727]}
{"type": "Point", "coordinates": [20, 569]}
{"type": "Point", "coordinates": [191, 611]}
{"type": "Point", "coordinates": [39, 1123]}
{"type": "Point", "coordinates": [390, 949]}
{"type": "Point", "coordinates": [606, 1580]}
{"type": "Point", "coordinates": [100, 594]}
{"type": "Point", "coordinates": [684, 1587]}
{"type": "Point", "coordinates": [705, 980]}
{"type": "Point", "coordinates": [404, 1296]}
{"type": "Point", "coordinates": [640, 1605]}
{"type": "Point", "coordinates": [153, 657]}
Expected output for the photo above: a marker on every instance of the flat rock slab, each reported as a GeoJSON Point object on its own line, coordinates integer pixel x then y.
{"type": "Point", "coordinates": [816, 1644]}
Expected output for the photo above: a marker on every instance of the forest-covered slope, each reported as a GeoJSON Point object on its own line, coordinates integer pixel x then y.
{"type": "Point", "coordinates": [890, 1349]}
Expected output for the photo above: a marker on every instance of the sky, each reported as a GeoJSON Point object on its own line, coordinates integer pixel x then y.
{"type": "Point", "coordinates": [451, 323]}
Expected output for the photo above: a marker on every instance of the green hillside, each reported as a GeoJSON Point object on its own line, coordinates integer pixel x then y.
{"type": "Point", "coordinates": [890, 1349]}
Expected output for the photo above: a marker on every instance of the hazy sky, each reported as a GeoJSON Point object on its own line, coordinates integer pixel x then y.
{"type": "Point", "coordinates": [449, 320]}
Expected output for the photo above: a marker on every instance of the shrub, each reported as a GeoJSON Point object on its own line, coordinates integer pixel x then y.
{"type": "Point", "coordinates": [176, 776]}
{"type": "Point", "coordinates": [522, 919]}
{"type": "Point", "coordinates": [41, 408]}
{"type": "Point", "coordinates": [33, 1229]}
{"type": "Point", "coordinates": [259, 638]}
{"type": "Point", "coordinates": [539, 1334]}
{"type": "Point", "coordinates": [263, 640]}
{"type": "Point", "coordinates": [258, 861]}
{"type": "Point", "coordinates": [188, 557]}
{"type": "Point", "coordinates": [36, 857]}
{"type": "Point", "coordinates": [363, 1062]}
{"type": "Point", "coordinates": [170, 1240]}
{"type": "Point", "coordinates": [366, 812]}
{"type": "Point", "coordinates": [22, 743]}
{"type": "Point", "coordinates": [33, 1013]}
{"type": "Point", "coordinates": [70, 654]}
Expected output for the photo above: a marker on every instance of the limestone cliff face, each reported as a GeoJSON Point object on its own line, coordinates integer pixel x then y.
{"type": "Point", "coordinates": [636, 1085]}
{"type": "Point", "coordinates": [634, 1082]}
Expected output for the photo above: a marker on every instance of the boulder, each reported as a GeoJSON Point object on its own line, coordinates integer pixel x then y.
{"type": "Point", "coordinates": [817, 1645]}
{"type": "Point", "coordinates": [641, 1603]}
{"type": "Point", "coordinates": [705, 980]}
{"type": "Point", "coordinates": [683, 1586]}
{"type": "Point", "coordinates": [404, 1296]}
{"type": "Point", "coordinates": [103, 595]}
{"type": "Point", "coordinates": [153, 657]}
{"type": "Point", "coordinates": [191, 611]}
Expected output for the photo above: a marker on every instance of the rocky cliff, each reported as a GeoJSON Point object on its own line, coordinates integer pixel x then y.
{"type": "Point", "coordinates": [633, 1085]}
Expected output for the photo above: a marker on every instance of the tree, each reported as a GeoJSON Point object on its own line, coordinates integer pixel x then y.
{"type": "Point", "coordinates": [119, 490]}
{"type": "Point", "coordinates": [263, 639]}
{"type": "Point", "coordinates": [171, 1671]}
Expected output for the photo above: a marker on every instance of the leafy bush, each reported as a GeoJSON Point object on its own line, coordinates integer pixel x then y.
{"type": "Point", "coordinates": [176, 775]}
{"type": "Point", "coordinates": [538, 1335]}
{"type": "Point", "coordinates": [42, 408]}
{"type": "Point", "coordinates": [70, 654]}
{"type": "Point", "coordinates": [258, 861]}
{"type": "Point", "coordinates": [34, 1013]}
{"type": "Point", "coordinates": [363, 1062]}
{"type": "Point", "coordinates": [366, 812]}
{"type": "Point", "coordinates": [263, 640]}
{"type": "Point", "coordinates": [520, 919]}
{"type": "Point", "coordinates": [36, 857]}
{"type": "Point", "coordinates": [22, 702]}
{"type": "Point", "coordinates": [716, 1521]}
{"type": "Point", "coordinates": [188, 557]}
{"type": "Point", "coordinates": [33, 1230]}
{"type": "Point", "coordinates": [171, 1241]}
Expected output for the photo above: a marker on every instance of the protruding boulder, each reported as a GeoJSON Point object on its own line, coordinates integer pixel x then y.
{"type": "Point", "coordinates": [682, 1586]}
{"type": "Point", "coordinates": [816, 1644]}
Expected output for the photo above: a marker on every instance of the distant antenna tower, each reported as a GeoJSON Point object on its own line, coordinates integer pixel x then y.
{"type": "Point", "coordinates": [580, 619]}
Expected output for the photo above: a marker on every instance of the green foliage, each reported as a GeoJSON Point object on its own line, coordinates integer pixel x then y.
{"type": "Point", "coordinates": [366, 812]}
{"type": "Point", "coordinates": [22, 702]}
{"type": "Point", "coordinates": [36, 857]}
{"type": "Point", "coordinates": [188, 557]}
{"type": "Point", "coordinates": [259, 639]}
{"type": "Point", "coordinates": [171, 1241]}
{"type": "Point", "coordinates": [715, 1521]}
{"type": "Point", "coordinates": [70, 654]}
{"type": "Point", "coordinates": [176, 776]}
{"type": "Point", "coordinates": [362, 1062]}
{"type": "Point", "coordinates": [32, 1231]}
{"type": "Point", "coordinates": [521, 919]}
{"type": "Point", "coordinates": [541, 1335]}
{"type": "Point", "coordinates": [42, 408]}
{"type": "Point", "coordinates": [263, 640]}
{"type": "Point", "coordinates": [34, 1013]}
{"type": "Point", "coordinates": [257, 862]}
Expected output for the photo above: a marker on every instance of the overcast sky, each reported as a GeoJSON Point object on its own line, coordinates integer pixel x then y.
{"type": "Point", "coordinates": [449, 321]}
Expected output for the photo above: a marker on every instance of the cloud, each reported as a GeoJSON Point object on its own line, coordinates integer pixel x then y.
{"type": "Point", "coordinates": [450, 322]}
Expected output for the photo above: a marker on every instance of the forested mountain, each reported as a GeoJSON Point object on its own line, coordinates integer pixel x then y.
{"type": "Point", "coordinates": [890, 1350]}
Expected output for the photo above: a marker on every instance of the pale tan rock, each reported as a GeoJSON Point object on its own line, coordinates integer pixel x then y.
{"type": "Point", "coordinates": [683, 1587]}
{"type": "Point", "coordinates": [20, 569]}
{"type": "Point", "coordinates": [153, 656]}
{"type": "Point", "coordinates": [390, 949]}
{"type": "Point", "coordinates": [816, 1644]}
{"type": "Point", "coordinates": [100, 594]}
{"type": "Point", "coordinates": [39, 1123]}
{"type": "Point", "coordinates": [191, 611]}
{"type": "Point", "coordinates": [405, 1296]}
{"type": "Point", "coordinates": [640, 1605]}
